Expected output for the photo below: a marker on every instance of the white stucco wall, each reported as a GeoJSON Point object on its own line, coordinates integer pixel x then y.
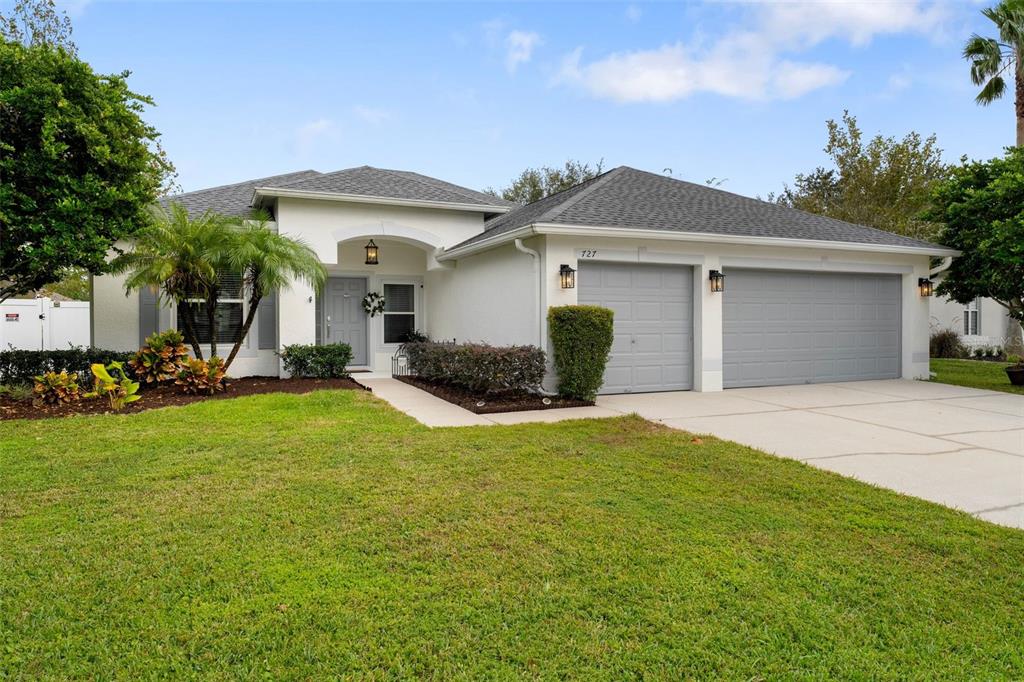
{"type": "Point", "coordinates": [490, 297]}
{"type": "Point", "coordinates": [996, 327]}
{"type": "Point", "coordinates": [703, 257]}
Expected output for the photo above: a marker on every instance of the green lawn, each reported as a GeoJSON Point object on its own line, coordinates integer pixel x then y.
{"type": "Point", "coordinates": [327, 535]}
{"type": "Point", "coordinates": [975, 374]}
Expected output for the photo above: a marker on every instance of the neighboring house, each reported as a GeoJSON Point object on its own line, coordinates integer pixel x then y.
{"type": "Point", "coordinates": [806, 298]}
{"type": "Point", "coordinates": [982, 322]}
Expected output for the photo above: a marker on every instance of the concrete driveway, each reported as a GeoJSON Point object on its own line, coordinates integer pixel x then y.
{"type": "Point", "coordinates": [960, 447]}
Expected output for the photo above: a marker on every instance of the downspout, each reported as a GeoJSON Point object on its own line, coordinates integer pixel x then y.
{"type": "Point", "coordinates": [536, 269]}
{"type": "Point", "coordinates": [539, 283]}
{"type": "Point", "coordinates": [941, 267]}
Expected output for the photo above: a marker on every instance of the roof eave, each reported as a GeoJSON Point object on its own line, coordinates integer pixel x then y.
{"type": "Point", "coordinates": [261, 192]}
{"type": "Point", "coordinates": [592, 230]}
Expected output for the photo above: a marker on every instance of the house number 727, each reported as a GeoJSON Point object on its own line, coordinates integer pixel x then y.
{"type": "Point", "coordinates": [588, 253]}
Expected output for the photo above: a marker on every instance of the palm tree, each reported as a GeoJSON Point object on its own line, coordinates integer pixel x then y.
{"type": "Point", "coordinates": [267, 261]}
{"type": "Point", "coordinates": [180, 258]}
{"type": "Point", "coordinates": [991, 58]}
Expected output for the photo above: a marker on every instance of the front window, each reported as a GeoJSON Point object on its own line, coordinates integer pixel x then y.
{"type": "Point", "coordinates": [229, 311]}
{"type": "Point", "coordinates": [972, 321]}
{"type": "Point", "coordinates": [399, 312]}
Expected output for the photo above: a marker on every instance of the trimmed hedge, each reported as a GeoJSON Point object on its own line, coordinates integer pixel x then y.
{"type": "Point", "coordinates": [582, 339]}
{"type": "Point", "coordinates": [22, 366]}
{"type": "Point", "coordinates": [478, 367]}
{"type": "Point", "coordinates": [317, 362]}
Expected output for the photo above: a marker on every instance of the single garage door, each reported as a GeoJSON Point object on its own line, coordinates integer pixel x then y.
{"type": "Point", "coordinates": [809, 327]}
{"type": "Point", "coordinates": [653, 345]}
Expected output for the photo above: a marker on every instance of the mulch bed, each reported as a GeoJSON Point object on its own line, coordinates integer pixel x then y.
{"type": "Point", "coordinates": [495, 402]}
{"type": "Point", "coordinates": [169, 394]}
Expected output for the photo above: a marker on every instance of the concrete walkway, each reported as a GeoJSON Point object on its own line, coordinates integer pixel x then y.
{"type": "Point", "coordinates": [957, 446]}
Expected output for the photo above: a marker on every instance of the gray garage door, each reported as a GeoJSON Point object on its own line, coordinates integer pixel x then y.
{"type": "Point", "coordinates": [653, 304]}
{"type": "Point", "coordinates": [809, 327]}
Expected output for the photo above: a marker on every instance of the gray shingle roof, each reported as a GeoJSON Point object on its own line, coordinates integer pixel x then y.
{"type": "Point", "coordinates": [394, 184]}
{"type": "Point", "coordinates": [232, 200]}
{"type": "Point", "coordinates": [633, 199]}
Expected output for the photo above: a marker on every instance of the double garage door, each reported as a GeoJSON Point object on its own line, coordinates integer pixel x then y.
{"type": "Point", "coordinates": [779, 327]}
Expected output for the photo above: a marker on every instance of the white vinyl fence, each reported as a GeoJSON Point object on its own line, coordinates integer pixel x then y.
{"type": "Point", "coordinates": [43, 324]}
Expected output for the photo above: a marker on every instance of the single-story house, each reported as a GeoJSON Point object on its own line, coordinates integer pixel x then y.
{"type": "Point", "coordinates": [710, 289]}
{"type": "Point", "coordinates": [982, 323]}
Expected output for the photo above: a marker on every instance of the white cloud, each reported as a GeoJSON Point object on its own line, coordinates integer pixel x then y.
{"type": "Point", "coordinates": [755, 62]}
{"type": "Point", "coordinates": [633, 13]}
{"type": "Point", "coordinates": [372, 115]}
{"type": "Point", "coordinates": [315, 131]}
{"type": "Point", "coordinates": [519, 46]}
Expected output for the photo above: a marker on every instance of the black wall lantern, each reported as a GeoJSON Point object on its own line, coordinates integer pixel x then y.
{"type": "Point", "coordinates": [567, 276]}
{"type": "Point", "coordinates": [925, 286]}
{"type": "Point", "coordinates": [717, 280]}
{"type": "Point", "coordinates": [371, 253]}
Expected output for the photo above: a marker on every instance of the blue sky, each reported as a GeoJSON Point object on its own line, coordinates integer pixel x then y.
{"type": "Point", "coordinates": [473, 93]}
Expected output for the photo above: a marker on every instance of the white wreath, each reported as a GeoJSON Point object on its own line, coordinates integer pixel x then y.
{"type": "Point", "coordinates": [373, 303]}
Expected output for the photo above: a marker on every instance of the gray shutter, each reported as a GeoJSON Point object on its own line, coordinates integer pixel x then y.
{"type": "Point", "coordinates": [149, 314]}
{"type": "Point", "coordinates": [977, 304]}
{"type": "Point", "coordinates": [267, 313]}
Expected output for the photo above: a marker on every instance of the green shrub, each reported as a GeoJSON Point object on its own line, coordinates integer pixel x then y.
{"type": "Point", "coordinates": [17, 392]}
{"type": "Point", "coordinates": [23, 366]}
{"type": "Point", "coordinates": [201, 376]}
{"type": "Point", "coordinates": [54, 388]}
{"type": "Point", "coordinates": [478, 367]}
{"type": "Point", "coordinates": [161, 359]}
{"type": "Point", "coordinates": [582, 339]}
{"type": "Point", "coordinates": [946, 343]}
{"type": "Point", "coordinates": [317, 362]}
{"type": "Point", "coordinates": [112, 382]}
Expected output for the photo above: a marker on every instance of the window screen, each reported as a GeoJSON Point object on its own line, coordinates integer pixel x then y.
{"type": "Point", "coordinates": [399, 312]}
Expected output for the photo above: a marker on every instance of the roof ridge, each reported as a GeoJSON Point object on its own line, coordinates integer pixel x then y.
{"type": "Point", "coordinates": [416, 177]}
{"type": "Point", "coordinates": [244, 182]}
{"type": "Point", "coordinates": [782, 208]}
{"type": "Point", "coordinates": [594, 182]}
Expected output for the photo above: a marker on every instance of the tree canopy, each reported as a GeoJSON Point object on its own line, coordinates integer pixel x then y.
{"type": "Point", "coordinates": [537, 183]}
{"type": "Point", "coordinates": [882, 182]}
{"type": "Point", "coordinates": [79, 168]}
{"type": "Point", "coordinates": [981, 210]}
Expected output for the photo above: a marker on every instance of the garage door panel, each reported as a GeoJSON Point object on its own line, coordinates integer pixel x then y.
{"type": "Point", "coordinates": [786, 328]}
{"type": "Point", "coordinates": [652, 347]}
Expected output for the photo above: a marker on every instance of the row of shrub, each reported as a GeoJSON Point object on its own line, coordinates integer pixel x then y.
{"type": "Point", "coordinates": [946, 343]}
{"type": "Point", "coordinates": [581, 337]}
{"type": "Point", "coordinates": [478, 367]}
{"type": "Point", "coordinates": [23, 366]}
{"type": "Point", "coordinates": [317, 362]}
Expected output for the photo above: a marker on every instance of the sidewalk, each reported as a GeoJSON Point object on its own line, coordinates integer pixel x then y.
{"type": "Point", "coordinates": [432, 411]}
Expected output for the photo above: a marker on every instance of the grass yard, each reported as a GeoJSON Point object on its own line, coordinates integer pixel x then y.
{"type": "Point", "coordinates": [975, 374]}
{"type": "Point", "coordinates": [323, 535]}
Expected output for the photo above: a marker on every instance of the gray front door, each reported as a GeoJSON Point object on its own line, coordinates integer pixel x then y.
{"type": "Point", "coordinates": [344, 317]}
{"type": "Point", "coordinates": [652, 348]}
{"type": "Point", "coordinates": [784, 327]}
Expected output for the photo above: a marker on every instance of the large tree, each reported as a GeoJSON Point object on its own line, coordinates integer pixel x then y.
{"type": "Point", "coordinates": [882, 182]}
{"type": "Point", "coordinates": [537, 183]}
{"type": "Point", "coordinates": [981, 209]}
{"type": "Point", "coordinates": [993, 60]}
{"type": "Point", "coordinates": [37, 22]}
{"type": "Point", "coordinates": [79, 167]}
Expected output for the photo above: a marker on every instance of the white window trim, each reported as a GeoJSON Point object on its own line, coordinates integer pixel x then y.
{"type": "Point", "coordinates": [417, 302]}
{"type": "Point", "coordinates": [972, 318]}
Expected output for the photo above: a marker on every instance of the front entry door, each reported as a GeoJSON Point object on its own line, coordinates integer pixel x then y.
{"type": "Point", "coordinates": [345, 318]}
